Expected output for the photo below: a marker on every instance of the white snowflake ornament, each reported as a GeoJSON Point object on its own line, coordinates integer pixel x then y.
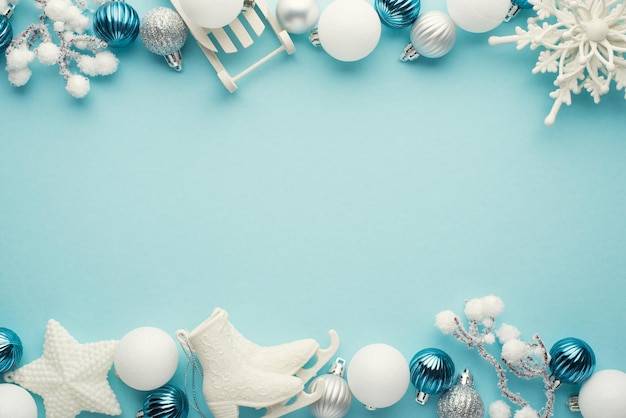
{"type": "Point", "coordinates": [584, 42]}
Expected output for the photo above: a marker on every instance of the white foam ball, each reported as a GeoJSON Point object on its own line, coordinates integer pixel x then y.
{"type": "Point", "coordinates": [446, 321]}
{"type": "Point", "coordinates": [146, 358]}
{"type": "Point", "coordinates": [48, 53]}
{"type": "Point", "coordinates": [478, 15]}
{"type": "Point", "coordinates": [77, 85]}
{"type": "Point", "coordinates": [603, 395]}
{"type": "Point", "coordinates": [19, 58]}
{"type": "Point", "coordinates": [20, 77]}
{"type": "Point", "coordinates": [16, 402]}
{"type": "Point", "coordinates": [499, 409]}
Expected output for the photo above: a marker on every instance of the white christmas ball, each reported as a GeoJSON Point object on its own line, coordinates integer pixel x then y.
{"type": "Point", "coordinates": [478, 15]}
{"type": "Point", "coordinates": [378, 375]}
{"type": "Point", "coordinates": [298, 16]}
{"type": "Point", "coordinates": [349, 30]}
{"type": "Point", "coordinates": [16, 402]}
{"type": "Point", "coordinates": [211, 14]}
{"type": "Point", "coordinates": [146, 358]}
{"type": "Point", "coordinates": [603, 395]}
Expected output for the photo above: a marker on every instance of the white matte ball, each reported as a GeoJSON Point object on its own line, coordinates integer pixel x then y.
{"type": "Point", "coordinates": [298, 16]}
{"type": "Point", "coordinates": [378, 375]}
{"type": "Point", "coordinates": [146, 358]}
{"type": "Point", "coordinates": [478, 16]}
{"type": "Point", "coordinates": [603, 395]}
{"type": "Point", "coordinates": [211, 14]}
{"type": "Point", "coordinates": [16, 402]}
{"type": "Point", "coordinates": [349, 30]}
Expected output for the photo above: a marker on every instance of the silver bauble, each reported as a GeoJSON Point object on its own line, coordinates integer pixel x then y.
{"type": "Point", "coordinates": [297, 16]}
{"type": "Point", "coordinates": [461, 400]}
{"type": "Point", "coordinates": [433, 35]}
{"type": "Point", "coordinates": [163, 32]}
{"type": "Point", "coordinates": [337, 397]}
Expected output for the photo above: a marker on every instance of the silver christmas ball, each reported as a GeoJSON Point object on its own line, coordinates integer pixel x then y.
{"type": "Point", "coordinates": [461, 400]}
{"type": "Point", "coordinates": [433, 35]}
{"type": "Point", "coordinates": [163, 32]}
{"type": "Point", "coordinates": [337, 397]}
{"type": "Point", "coordinates": [297, 16]}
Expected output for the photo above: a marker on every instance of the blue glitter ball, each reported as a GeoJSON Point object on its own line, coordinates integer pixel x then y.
{"type": "Point", "coordinates": [6, 33]}
{"type": "Point", "coordinates": [397, 13]}
{"type": "Point", "coordinates": [10, 349]}
{"type": "Point", "coordinates": [432, 371]}
{"type": "Point", "coordinates": [166, 402]}
{"type": "Point", "coordinates": [116, 23]}
{"type": "Point", "coordinates": [571, 360]}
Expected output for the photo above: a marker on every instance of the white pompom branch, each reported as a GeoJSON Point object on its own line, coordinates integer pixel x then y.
{"type": "Point", "coordinates": [68, 24]}
{"type": "Point", "coordinates": [524, 359]}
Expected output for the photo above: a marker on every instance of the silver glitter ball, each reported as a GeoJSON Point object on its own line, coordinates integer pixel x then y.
{"type": "Point", "coordinates": [461, 400]}
{"type": "Point", "coordinates": [163, 32]}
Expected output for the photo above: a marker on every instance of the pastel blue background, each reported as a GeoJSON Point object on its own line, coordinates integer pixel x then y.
{"type": "Point", "coordinates": [365, 197]}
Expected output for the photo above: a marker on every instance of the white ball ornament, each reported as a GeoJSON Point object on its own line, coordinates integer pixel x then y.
{"type": "Point", "coordinates": [478, 16]}
{"type": "Point", "coordinates": [211, 14]}
{"type": "Point", "coordinates": [16, 402]}
{"type": "Point", "coordinates": [603, 395]}
{"type": "Point", "coordinates": [349, 30]}
{"type": "Point", "coordinates": [378, 376]}
{"type": "Point", "coordinates": [146, 358]}
{"type": "Point", "coordinates": [298, 16]}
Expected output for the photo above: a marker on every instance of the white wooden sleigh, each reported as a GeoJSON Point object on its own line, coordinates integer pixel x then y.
{"type": "Point", "coordinates": [245, 39]}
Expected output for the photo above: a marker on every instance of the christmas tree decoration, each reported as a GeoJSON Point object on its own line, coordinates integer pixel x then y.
{"type": "Point", "coordinates": [10, 349]}
{"type": "Point", "coordinates": [378, 376]}
{"type": "Point", "coordinates": [433, 35]}
{"type": "Point", "coordinates": [166, 402]}
{"type": "Point", "coordinates": [397, 14]}
{"type": "Point", "coordinates": [432, 371]}
{"type": "Point", "coordinates": [6, 30]}
{"type": "Point", "coordinates": [582, 43]}
{"type": "Point", "coordinates": [146, 358]}
{"type": "Point", "coordinates": [70, 377]}
{"type": "Point", "coordinates": [523, 359]}
{"type": "Point", "coordinates": [16, 402]}
{"type": "Point", "coordinates": [478, 16]}
{"type": "Point", "coordinates": [116, 23]}
{"type": "Point", "coordinates": [516, 6]}
{"type": "Point", "coordinates": [602, 395]}
{"type": "Point", "coordinates": [298, 16]}
{"type": "Point", "coordinates": [231, 380]}
{"type": "Point", "coordinates": [571, 360]}
{"type": "Point", "coordinates": [164, 33]}
{"type": "Point", "coordinates": [68, 23]}
{"type": "Point", "coordinates": [337, 397]}
{"type": "Point", "coordinates": [348, 30]}
{"type": "Point", "coordinates": [211, 14]}
{"type": "Point", "coordinates": [461, 400]}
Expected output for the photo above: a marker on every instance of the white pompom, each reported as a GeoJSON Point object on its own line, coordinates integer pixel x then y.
{"type": "Point", "coordinates": [19, 58]}
{"type": "Point", "coordinates": [474, 310]}
{"type": "Point", "coordinates": [493, 306]}
{"type": "Point", "coordinates": [514, 351]}
{"type": "Point", "coordinates": [507, 333]}
{"type": "Point", "coordinates": [48, 53]}
{"type": "Point", "coordinates": [58, 26]}
{"type": "Point", "coordinates": [87, 64]}
{"type": "Point", "coordinates": [20, 77]}
{"type": "Point", "coordinates": [107, 62]}
{"type": "Point", "coordinates": [499, 409]}
{"type": "Point", "coordinates": [489, 338]}
{"type": "Point", "coordinates": [77, 86]}
{"type": "Point", "coordinates": [57, 10]}
{"type": "Point", "coordinates": [446, 321]}
{"type": "Point", "coordinates": [526, 412]}
{"type": "Point", "coordinates": [76, 20]}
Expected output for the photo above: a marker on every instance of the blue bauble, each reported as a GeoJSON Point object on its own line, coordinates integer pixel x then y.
{"type": "Point", "coordinates": [432, 371]}
{"type": "Point", "coordinates": [6, 33]}
{"type": "Point", "coordinates": [10, 349]}
{"type": "Point", "coordinates": [166, 402]}
{"type": "Point", "coordinates": [522, 4]}
{"type": "Point", "coordinates": [397, 13]}
{"type": "Point", "coordinates": [571, 360]}
{"type": "Point", "coordinates": [116, 23]}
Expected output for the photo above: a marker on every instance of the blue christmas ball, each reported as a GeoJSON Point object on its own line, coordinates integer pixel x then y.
{"type": "Point", "coordinates": [571, 360]}
{"type": "Point", "coordinates": [432, 371]}
{"type": "Point", "coordinates": [166, 402]}
{"type": "Point", "coordinates": [397, 13]}
{"type": "Point", "coordinates": [522, 4]}
{"type": "Point", "coordinates": [10, 349]}
{"type": "Point", "coordinates": [6, 33]}
{"type": "Point", "coordinates": [116, 23]}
